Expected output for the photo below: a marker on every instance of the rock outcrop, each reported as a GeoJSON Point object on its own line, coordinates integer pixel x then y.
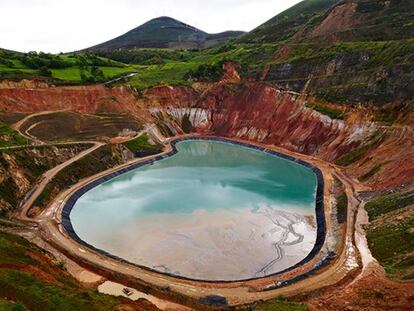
{"type": "Point", "coordinates": [85, 99]}
{"type": "Point", "coordinates": [254, 111]}
{"type": "Point", "coordinates": [20, 170]}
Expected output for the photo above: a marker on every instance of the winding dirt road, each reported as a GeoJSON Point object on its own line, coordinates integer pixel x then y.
{"type": "Point", "coordinates": [17, 126]}
{"type": "Point", "coordinates": [346, 262]}
{"type": "Point", "coordinates": [48, 176]}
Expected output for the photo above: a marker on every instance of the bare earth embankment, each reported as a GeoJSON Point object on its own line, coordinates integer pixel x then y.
{"type": "Point", "coordinates": [349, 151]}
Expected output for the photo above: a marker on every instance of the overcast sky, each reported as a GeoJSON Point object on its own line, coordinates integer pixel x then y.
{"type": "Point", "coordinates": [68, 25]}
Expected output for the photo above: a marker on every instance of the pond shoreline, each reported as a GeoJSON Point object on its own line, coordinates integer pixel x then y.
{"type": "Point", "coordinates": [319, 211]}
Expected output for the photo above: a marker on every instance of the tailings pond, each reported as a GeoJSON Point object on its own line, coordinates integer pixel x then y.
{"type": "Point", "coordinates": [213, 211]}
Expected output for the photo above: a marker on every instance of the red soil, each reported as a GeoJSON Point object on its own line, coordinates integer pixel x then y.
{"type": "Point", "coordinates": [85, 99]}
{"type": "Point", "coordinates": [252, 111]}
{"type": "Point", "coordinates": [340, 19]}
{"type": "Point", "coordinates": [369, 293]}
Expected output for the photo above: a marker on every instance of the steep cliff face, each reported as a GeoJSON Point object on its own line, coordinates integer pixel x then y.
{"type": "Point", "coordinates": [351, 51]}
{"type": "Point", "coordinates": [20, 169]}
{"type": "Point", "coordinates": [381, 156]}
{"type": "Point", "coordinates": [264, 113]}
{"type": "Point", "coordinates": [167, 96]}
{"type": "Point", "coordinates": [351, 74]}
{"type": "Point", "coordinates": [267, 114]}
{"type": "Point", "coordinates": [390, 163]}
{"type": "Point", "coordinates": [86, 99]}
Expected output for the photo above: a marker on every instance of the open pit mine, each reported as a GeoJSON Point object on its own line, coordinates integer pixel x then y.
{"type": "Point", "coordinates": [274, 171]}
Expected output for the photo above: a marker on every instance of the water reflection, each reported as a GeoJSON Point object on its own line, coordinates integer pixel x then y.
{"type": "Point", "coordinates": [200, 202]}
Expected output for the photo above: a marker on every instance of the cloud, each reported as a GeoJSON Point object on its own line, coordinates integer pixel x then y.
{"type": "Point", "coordinates": [67, 25]}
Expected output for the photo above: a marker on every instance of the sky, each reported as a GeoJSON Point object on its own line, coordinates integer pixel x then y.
{"type": "Point", "coordinates": [68, 25]}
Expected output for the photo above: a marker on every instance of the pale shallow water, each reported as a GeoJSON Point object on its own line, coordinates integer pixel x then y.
{"type": "Point", "coordinates": [213, 211]}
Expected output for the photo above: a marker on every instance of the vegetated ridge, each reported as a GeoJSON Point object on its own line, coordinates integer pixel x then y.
{"type": "Point", "coordinates": [332, 79]}
{"type": "Point", "coordinates": [166, 32]}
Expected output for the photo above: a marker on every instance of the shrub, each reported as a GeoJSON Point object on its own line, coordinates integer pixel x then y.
{"type": "Point", "coordinates": [206, 72]}
{"type": "Point", "coordinates": [359, 152]}
{"type": "Point", "coordinates": [330, 112]}
{"type": "Point", "coordinates": [370, 173]}
{"type": "Point", "coordinates": [44, 71]}
{"type": "Point", "coordinates": [388, 203]}
{"type": "Point", "coordinates": [342, 207]}
{"type": "Point", "coordinates": [141, 144]}
{"type": "Point", "coordinates": [186, 125]}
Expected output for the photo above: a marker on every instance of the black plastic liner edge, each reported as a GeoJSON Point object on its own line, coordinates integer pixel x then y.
{"type": "Point", "coordinates": [319, 209]}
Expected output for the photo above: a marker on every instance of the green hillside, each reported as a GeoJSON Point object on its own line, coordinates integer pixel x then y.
{"type": "Point", "coordinates": [165, 32]}
{"type": "Point", "coordinates": [341, 51]}
{"type": "Point", "coordinates": [367, 20]}
{"type": "Point", "coordinates": [71, 68]}
{"type": "Point", "coordinates": [37, 281]}
{"type": "Point", "coordinates": [9, 137]}
{"type": "Point", "coordinates": [284, 25]}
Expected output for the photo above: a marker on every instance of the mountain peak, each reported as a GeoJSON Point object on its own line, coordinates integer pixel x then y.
{"type": "Point", "coordinates": [164, 19]}
{"type": "Point", "coordinates": [165, 32]}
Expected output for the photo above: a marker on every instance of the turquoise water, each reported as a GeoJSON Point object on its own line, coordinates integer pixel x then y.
{"type": "Point", "coordinates": [187, 206]}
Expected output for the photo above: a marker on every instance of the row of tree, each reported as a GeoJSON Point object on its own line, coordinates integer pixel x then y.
{"type": "Point", "coordinates": [146, 56]}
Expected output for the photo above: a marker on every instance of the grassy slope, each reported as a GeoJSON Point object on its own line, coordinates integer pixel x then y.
{"type": "Point", "coordinates": [7, 305]}
{"type": "Point", "coordinates": [379, 22]}
{"type": "Point", "coordinates": [73, 73]}
{"type": "Point", "coordinates": [252, 57]}
{"type": "Point", "coordinates": [9, 137]}
{"type": "Point", "coordinates": [389, 203]}
{"type": "Point", "coordinates": [43, 287]}
{"type": "Point", "coordinates": [94, 163]}
{"type": "Point", "coordinates": [364, 55]}
{"type": "Point", "coordinates": [12, 67]}
{"type": "Point", "coordinates": [141, 144]}
{"type": "Point", "coordinates": [285, 24]}
{"type": "Point", "coordinates": [278, 304]}
{"type": "Point", "coordinates": [390, 235]}
{"type": "Point", "coordinates": [393, 246]}
{"type": "Point", "coordinates": [30, 163]}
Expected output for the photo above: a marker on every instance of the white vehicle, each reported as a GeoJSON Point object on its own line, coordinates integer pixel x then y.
{"type": "Point", "coordinates": [127, 291]}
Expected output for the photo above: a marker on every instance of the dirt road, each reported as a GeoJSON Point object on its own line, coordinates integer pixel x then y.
{"type": "Point", "coordinates": [17, 126]}
{"type": "Point", "coordinates": [238, 293]}
{"type": "Point", "coordinates": [48, 176]}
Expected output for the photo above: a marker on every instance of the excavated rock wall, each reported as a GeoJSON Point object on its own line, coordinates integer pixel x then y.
{"type": "Point", "coordinates": [20, 170]}
{"type": "Point", "coordinates": [263, 113]}
{"type": "Point", "coordinates": [85, 99]}
{"type": "Point", "coordinates": [253, 111]}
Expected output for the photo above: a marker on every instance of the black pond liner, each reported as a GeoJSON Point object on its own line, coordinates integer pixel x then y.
{"type": "Point", "coordinates": [319, 209]}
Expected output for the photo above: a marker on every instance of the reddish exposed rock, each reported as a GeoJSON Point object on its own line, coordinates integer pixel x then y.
{"type": "Point", "coordinates": [5, 84]}
{"type": "Point", "coordinates": [231, 74]}
{"type": "Point", "coordinates": [252, 111]}
{"type": "Point", "coordinates": [264, 113]}
{"type": "Point", "coordinates": [396, 157]}
{"type": "Point", "coordinates": [140, 304]}
{"type": "Point", "coordinates": [371, 292]}
{"type": "Point", "coordinates": [167, 96]}
{"type": "Point", "coordinates": [259, 112]}
{"type": "Point", "coordinates": [340, 19]}
{"type": "Point", "coordinates": [86, 99]}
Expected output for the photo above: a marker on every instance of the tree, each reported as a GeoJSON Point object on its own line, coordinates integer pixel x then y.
{"type": "Point", "coordinates": [44, 71]}
{"type": "Point", "coordinates": [18, 306]}
{"type": "Point", "coordinates": [186, 125]}
{"type": "Point", "coordinates": [97, 73]}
